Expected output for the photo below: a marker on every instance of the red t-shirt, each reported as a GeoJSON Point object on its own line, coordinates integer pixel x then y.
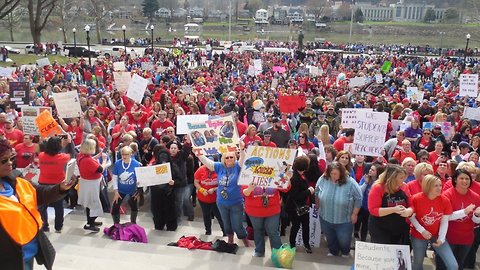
{"type": "Point", "coordinates": [159, 127]}
{"type": "Point", "coordinates": [52, 168]}
{"type": "Point", "coordinates": [241, 128]}
{"type": "Point", "coordinates": [77, 134]}
{"type": "Point", "coordinates": [249, 141]}
{"type": "Point", "coordinates": [270, 144]}
{"type": "Point", "coordinates": [117, 129]}
{"type": "Point", "coordinates": [15, 137]}
{"type": "Point", "coordinates": [88, 167]}
{"type": "Point", "coordinates": [460, 231]}
{"type": "Point", "coordinates": [104, 112]}
{"type": "Point", "coordinates": [475, 187]}
{"type": "Point", "coordinates": [414, 187]}
{"type": "Point", "coordinates": [207, 180]}
{"type": "Point", "coordinates": [25, 155]}
{"type": "Point", "coordinates": [375, 197]}
{"type": "Point", "coordinates": [339, 144]}
{"type": "Point", "coordinates": [429, 213]}
{"type": "Point", "coordinates": [254, 203]}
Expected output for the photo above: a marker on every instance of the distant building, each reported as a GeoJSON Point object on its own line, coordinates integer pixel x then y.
{"type": "Point", "coordinates": [400, 12]}
{"type": "Point", "coordinates": [195, 12]}
{"type": "Point", "coordinates": [122, 13]}
{"type": "Point", "coordinates": [180, 13]}
{"type": "Point", "coordinates": [163, 13]}
{"type": "Point", "coordinates": [261, 16]}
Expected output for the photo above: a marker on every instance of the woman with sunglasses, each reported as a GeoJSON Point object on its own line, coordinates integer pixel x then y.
{"type": "Point", "coordinates": [229, 197]}
{"type": "Point", "coordinates": [304, 144]}
{"type": "Point", "coordinates": [52, 165]}
{"type": "Point", "coordinates": [425, 142]}
{"type": "Point", "coordinates": [20, 239]}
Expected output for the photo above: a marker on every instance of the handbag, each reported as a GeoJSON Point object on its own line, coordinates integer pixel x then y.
{"type": "Point", "coordinates": [301, 210]}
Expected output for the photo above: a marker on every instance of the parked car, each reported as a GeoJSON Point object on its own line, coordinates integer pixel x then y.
{"type": "Point", "coordinates": [30, 48]}
{"type": "Point", "coordinates": [10, 49]}
{"type": "Point", "coordinates": [80, 52]}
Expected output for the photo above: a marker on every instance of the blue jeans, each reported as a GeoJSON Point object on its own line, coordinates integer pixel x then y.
{"type": "Point", "coordinates": [419, 247]}
{"type": "Point", "coordinates": [182, 199]}
{"type": "Point", "coordinates": [58, 206]}
{"type": "Point", "coordinates": [28, 265]}
{"type": "Point", "coordinates": [232, 216]}
{"type": "Point", "coordinates": [459, 251]}
{"type": "Point", "coordinates": [339, 236]}
{"type": "Point", "coordinates": [270, 225]}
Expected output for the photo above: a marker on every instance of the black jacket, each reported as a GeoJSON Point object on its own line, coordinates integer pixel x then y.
{"type": "Point", "coordinates": [180, 160]}
{"type": "Point", "coordinates": [298, 194]}
{"type": "Point", "coordinates": [11, 256]}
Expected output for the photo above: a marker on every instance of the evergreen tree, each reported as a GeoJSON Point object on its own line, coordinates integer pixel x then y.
{"type": "Point", "coordinates": [149, 7]}
{"type": "Point", "coordinates": [430, 15]}
{"type": "Point", "coordinates": [358, 15]}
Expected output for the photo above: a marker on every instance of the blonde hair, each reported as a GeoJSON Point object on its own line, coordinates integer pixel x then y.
{"type": "Point", "coordinates": [249, 128]}
{"type": "Point", "coordinates": [302, 128]}
{"type": "Point", "coordinates": [389, 177]}
{"type": "Point", "coordinates": [88, 146]}
{"type": "Point", "coordinates": [126, 150]}
{"type": "Point", "coordinates": [324, 134]}
{"type": "Point", "coordinates": [422, 168]}
{"type": "Point", "coordinates": [407, 160]}
{"type": "Point", "coordinates": [225, 154]}
{"type": "Point", "coordinates": [429, 182]}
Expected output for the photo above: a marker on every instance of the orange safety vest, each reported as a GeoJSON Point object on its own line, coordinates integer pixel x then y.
{"type": "Point", "coordinates": [21, 220]}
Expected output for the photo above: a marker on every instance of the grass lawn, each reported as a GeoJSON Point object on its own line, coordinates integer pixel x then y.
{"type": "Point", "coordinates": [26, 59]}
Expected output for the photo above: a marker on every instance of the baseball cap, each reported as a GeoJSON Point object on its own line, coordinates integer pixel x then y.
{"type": "Point", "coordinates": [275, 120]}
{"type": "Point", "coordinates": [267, 133]}
{"type": "Point", "coordinates": [308, 102]}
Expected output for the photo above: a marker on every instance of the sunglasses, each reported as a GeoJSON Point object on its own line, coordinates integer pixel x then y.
{"type": "Point", "coordinates": [229, 157]}
{"type": "Point", "coordinates": [427, 133]}
{"type": "Point", "coordinates": [301, 136]}
{"type": "Point", "coordinates": [4, 161]}
{"type": "Point", "coordinates": [169, 131]}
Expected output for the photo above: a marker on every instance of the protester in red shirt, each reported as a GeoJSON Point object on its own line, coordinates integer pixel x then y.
{"type": "Point", "coordinates": [74, 128]}
{"type": "Point", "coordinates": [432, 211]}
{"type": "Point", "coordinates": [262, 205]}
{"type": "Point", "coordinates": [52, 172]}
{"type": "Point", "coordinates": [339, 144]}
{"type": "Point", "coordinates": [466, 212]}
{"type": "Point", "coordinates": [250, 136]}
{"type": "Point", "coordinates": [160, 124]}
{"type": "Point", "coordinates": [13, 135]}
{"type": "Point", "coordinates": [25, 152]}
{"type": "Point", "coordinates": [119, 130]}
{"type": "Point", "coordinates": [267, 135]}
{"type": "Point", "coordinates": [206, 183]}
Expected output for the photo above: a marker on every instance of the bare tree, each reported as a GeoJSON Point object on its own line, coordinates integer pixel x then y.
{"type": "Point", "coordinates": [7, 7]}
{"type": "Point", "coordinates": [13, 20]}
{"type": "Point", "coordinates": [38, 13]}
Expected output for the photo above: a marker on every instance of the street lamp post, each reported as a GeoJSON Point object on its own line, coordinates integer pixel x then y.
{"type": "Point", "coordinates": [441, 43]}
{"type": "Point", "coordinates": [151, 28]}
{"type": "Point", "coordinates": [74, 40]}
{"type": "Point", "coordinates": [230, 21]}
{"type": "Point", "coordinates": [124, 28]}
{"type": "Point", "coordinates": [466, 49]}
{"type": "Point", "coordinates": [87, 29]}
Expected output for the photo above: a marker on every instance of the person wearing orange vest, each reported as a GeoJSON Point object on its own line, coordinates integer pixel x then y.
{"type": "Point", "coordinates": [21, 239]}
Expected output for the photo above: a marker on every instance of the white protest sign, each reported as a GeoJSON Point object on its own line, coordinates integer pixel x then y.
{"type": "Point", "coordinates": [68, 104]}
{"type": "Point", "coordinates": [349, 117]}
{"type": "Point", "coordinates": [370, 132]}
{"type": "Point", "coordinates": [357, 81]}
{"type": "Point", "coordinates": [28, 118]}
{"type": "Point", "coordinates": [6, 72]}
{"type": "Point", "coordinates": [136, 88]}
{"type": "Point", "coordinates": [315, 230]}
{"type": "Point", "coordinates": [148, 66]}
{"type": "Point", "coordinates": [119, 66]}
{"type": "Point", "coordinates": [267, 166]}
{"type": "Point", "coordinates": [122, 80]}
{"type": "Point", "coordinates": [406, 82]}
{"type": "Point", "coordinates": [208, 47]}
{"type": "Point", "coordinates": [251, 70]}
{"type": "Point", "coordinates": [379, 78]}
{"type": "Point", "coordinates": [28, 67]}
{"type": "Point", "coordinates": [472, 113]}
{"type": "Point", "coordinates": [183, 120]}
{"type": "Point", "coordinates": [43, 62]}
{"type": "Point", "coordinates": [468, 85]}
{"type": "Point", "coordinates": [153, 175]}
{"type": "Point", "coordinates": [274, 83]}
{"type": "Point", "coordinates": [379, 256]}
{"type": "Point", "coordinates": [315, 71]}
{"type": "Point", "coordinates": [257, 63]}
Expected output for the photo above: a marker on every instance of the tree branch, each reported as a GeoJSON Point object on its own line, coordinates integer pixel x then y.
{"type": "Point", "coordinates": [8, 7]}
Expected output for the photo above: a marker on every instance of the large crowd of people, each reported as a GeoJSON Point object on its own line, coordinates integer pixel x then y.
{"type": "Point", "coordinates": [424, 190]}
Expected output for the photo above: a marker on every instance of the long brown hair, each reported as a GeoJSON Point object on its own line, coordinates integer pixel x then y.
{"type": "Point", "coordinates": [389, 177]}
{"type": "Point", "coordinates": [340, 154]}
{"type": "Point", "coordinates": [337, 166]}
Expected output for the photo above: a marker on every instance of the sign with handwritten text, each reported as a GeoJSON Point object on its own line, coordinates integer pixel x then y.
{"type": "Point", "coordinates": [267, 167]}
{"type": "Point", "coordinates": [468, 85]}
{"type": "Point", "coordinates": [349, 117]}
{"type": "Point", "coordinates": [370, 132]}
{"type": "Point", "coordinates": [153, 175]}
{"type": "Point", "coordinates": [29, 114]}
{"type": "Point", "coordinates": [214, 136]}
{"type": "Point", "coordinates": [379, 256]}
{"type": "Point", "coordinates": [315, 230]}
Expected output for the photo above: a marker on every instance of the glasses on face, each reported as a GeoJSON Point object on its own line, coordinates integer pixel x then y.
{"type": "Point", "coordinates": [301, 137]}
{"type": "Point", "coordinates": [427, 133]}
{"type": "Point", "coordinates": [169, 131]}
{"type": "Point", "coordinates": [229, 157]}
{"type": "Point", "coordinates": [4, 161]}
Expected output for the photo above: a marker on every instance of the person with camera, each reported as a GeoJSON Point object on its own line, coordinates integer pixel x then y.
{"type": "Point", "coordinates": [262, 205]}
{"type": "Point", "coordinates": [297, 206]}
{"type": "Point", "coordinates": [338, 198]}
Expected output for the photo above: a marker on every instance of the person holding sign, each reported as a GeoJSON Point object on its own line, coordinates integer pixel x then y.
{"type": "Point", "coordinates": [124, 183]}
{"type": "Point", "coordinates": [262, 205]}
{"type": "Point", "coordinates": [432, 211]}
{"type": "Point", "coordinates": [388, 204]}
{"type": "Point", "coordinates": [229, 198]}
{"type": "Point", "coordinates": [89, 187]}
{"type": "Point", "coordinates": [338, 198]}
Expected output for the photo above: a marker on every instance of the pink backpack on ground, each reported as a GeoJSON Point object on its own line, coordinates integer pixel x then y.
{"type": "Point", "coordinates": [127, 232]}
